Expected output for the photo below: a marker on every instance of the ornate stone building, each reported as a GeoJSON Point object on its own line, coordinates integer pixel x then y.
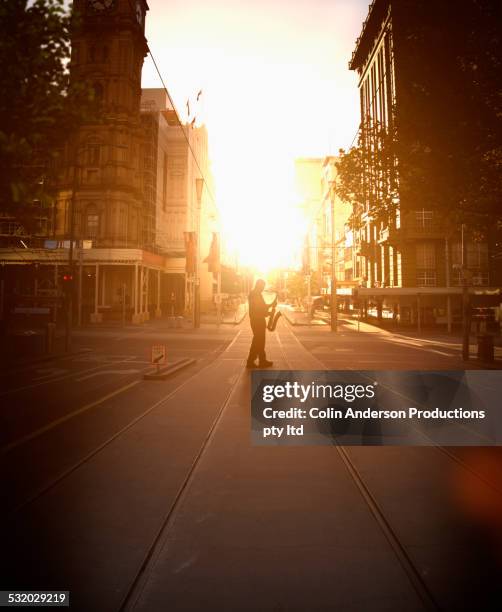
{"type": "Point", "coordinates": [101, 195]}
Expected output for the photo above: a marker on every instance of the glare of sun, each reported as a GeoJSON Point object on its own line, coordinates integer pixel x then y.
{"type": "Point", "coordinates": [261, 220]}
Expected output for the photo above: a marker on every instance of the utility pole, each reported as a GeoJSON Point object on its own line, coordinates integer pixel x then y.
{"type": "Point", "coordinates": [69, 298]}
{"type": "Point", "coordinates": [447, 273]}
{"type": "Point", "coordinates": [79, 299]}
{"type": "Point", "coordinates": [465, 300]}
{"type": "Point", "coordinates": [334, 300]}
{"type": "Point", "coordinates": [199, 186]}
{"type": "Point", "coordinates": [123, 292]}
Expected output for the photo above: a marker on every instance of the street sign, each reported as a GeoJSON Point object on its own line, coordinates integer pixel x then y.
{"type": "Point", "coordinates": [158, 354]}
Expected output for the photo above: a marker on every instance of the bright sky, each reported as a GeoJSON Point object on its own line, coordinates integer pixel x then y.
{"type": "Point", "coordinates": [276, 87]}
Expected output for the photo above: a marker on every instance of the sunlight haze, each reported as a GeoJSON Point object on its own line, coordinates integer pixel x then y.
{"type": "Point", "coordinates": [276, 86]}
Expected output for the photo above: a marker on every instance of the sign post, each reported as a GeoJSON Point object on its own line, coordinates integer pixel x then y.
{"type": "Point", "coordinates": [158, 355]}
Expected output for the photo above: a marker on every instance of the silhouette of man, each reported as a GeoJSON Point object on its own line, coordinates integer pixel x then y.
{"type": "Point", "coordinates": [258, 311]}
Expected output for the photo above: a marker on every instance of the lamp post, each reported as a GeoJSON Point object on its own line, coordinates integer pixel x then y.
{"type": "Point", "coordinates": [199, 187]}
{"type": "Point", "coordinates": [465, 300]}
{"type": "Point", "coordinates": [69, 296]}
{"type": "Point", "coordinates": [334, 301]}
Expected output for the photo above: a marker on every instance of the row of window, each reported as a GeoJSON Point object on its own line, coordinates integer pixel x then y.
{"type": "Point", "coordinates": [477, 254]}
{"type": "Point", "coordinates": [428, 278]}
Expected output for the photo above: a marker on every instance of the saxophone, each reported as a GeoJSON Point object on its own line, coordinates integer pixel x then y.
{"type": "Point", "coordinates": [273, 317]}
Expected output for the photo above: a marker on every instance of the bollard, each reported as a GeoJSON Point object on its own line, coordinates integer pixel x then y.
{"type": "Point", "coordinates": [49, 337]}
{"type": "Point", "coordinates": [485, 347]}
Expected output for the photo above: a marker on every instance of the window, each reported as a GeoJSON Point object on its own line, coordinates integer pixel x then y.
{"type": "Point", "coordinates": [92, 176]}
{"type": "Point", "coordinates": [164, 182]}
{"type": "Point", "coordinates": [426, 256]}
{"type": "Point", "coordinates": [99, 92]}
{"type": "Point", "coordinates": [426, 264]}
{"type": "Point", "coordinates": [426, 278]}
{"type": "Point", "coordinates": [176, 177]}
{"type": "Point", "coordinates": [481, 278]}
{"type": "Point", "coordinates": [92, 222]}
{"type": "Point", "coordinates": [93, 154]}
{"type": "Point", "coordinates": [423, 219]}
{"type": "Point", "coordinates": [123, 223]}
{"type": "Point", "coordinates": [75, 53]}
{"type": "Point", "coordinates": [477, 255]}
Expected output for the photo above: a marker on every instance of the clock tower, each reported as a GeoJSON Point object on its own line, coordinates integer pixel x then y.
{"type": "Point", "coordinates": [101, 178]}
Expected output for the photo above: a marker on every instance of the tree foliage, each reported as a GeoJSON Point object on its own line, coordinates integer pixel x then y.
{"type": "Point", "coordinates": [39, 107]}
{"type": "Point", "coordinates": [367, 174]}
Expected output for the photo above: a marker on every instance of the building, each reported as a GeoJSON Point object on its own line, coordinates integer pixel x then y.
{"type": "Point", "coordinates": [308, 188]}
{"type": "Point", "coordinates": [315, 184]}
{"type": "Point", "coordinates": [335, 211]}
{"type": "Point", "coordinates": [413, 98]}
{"type": "Point", "coordinates": [126, 189]}
{"type": "Point", "coordinates": [176, 155]}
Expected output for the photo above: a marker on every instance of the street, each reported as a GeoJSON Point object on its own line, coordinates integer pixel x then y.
{"type": "Point", "coordinates": [148, 495]}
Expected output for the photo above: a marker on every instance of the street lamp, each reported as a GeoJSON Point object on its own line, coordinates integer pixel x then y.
{"type": "Point", "coordinates": [334, 300]}
{"type": "Point", "coordinates": [199, 187]}
{"type": "Point", "coordinates": [69, 306]}
{"type": "Point", "coordinates": [465, 300]}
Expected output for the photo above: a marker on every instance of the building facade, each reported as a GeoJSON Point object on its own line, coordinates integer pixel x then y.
{"type": "Point", "coordinates": [412, 254]}
{"type": "Point", "coordinates": [326, 217]}
{"type": "Point", "coordinates": [177, 157]}
{"type": "Point", "coordinates": [126, 189]}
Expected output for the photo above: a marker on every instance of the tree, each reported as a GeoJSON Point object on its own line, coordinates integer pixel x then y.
{"type": "Point", "coordinates": [39, 107]}
{"type": "Point", "coordinates": [366, 174]}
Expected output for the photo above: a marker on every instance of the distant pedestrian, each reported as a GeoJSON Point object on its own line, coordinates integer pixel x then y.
{"type": "Point", "coordinates": [258, 312]}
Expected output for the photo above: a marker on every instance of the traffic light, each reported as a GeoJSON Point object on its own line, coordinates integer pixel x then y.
{"type": "Point", "coordinates": [67, 283]}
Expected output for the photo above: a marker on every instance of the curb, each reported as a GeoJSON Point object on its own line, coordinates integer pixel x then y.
{"type": "Point", "coordinates": [164, 373]}
{"type": "Point", "coordinates": [237, 322]}
{"type": "Point", "coordinates": [314, 321]}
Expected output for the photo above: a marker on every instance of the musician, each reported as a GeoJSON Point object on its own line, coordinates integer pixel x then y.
{"type": "Point", "coordinates": [258, 311]}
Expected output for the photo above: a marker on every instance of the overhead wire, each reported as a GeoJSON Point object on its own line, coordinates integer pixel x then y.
{"type": "Point", "coordinates": [171, 101]}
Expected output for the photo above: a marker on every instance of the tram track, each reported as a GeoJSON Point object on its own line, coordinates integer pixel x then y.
{"type": "Point", "coordinates": [430, 442]}
{"type": "Point", "coordinates": [136, 587]}
{"type": "Point", "coordinates": [410, 569]}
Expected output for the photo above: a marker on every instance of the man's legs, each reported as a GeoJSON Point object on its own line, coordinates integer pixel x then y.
{"type": "Point", "coordinates": [257, 348]}
{"type": "Point", "coordinates": [253, 352]}
{"type": "Point", "coordinates": [258, 345]}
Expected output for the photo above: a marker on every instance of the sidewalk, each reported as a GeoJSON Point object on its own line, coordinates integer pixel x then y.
{"type": "Point", "coordinates": [297, 317]}
{"type": "Point", "coordinates": [227, 318]}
